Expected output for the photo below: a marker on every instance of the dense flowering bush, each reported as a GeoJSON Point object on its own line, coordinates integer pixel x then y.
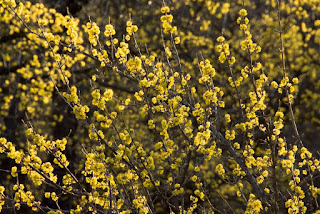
{"type": "Point", "coordinates": [178, 106]}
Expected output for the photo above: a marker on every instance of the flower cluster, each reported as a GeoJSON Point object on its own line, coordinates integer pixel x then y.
{"type": "Point", "coordinates": [166, 20]}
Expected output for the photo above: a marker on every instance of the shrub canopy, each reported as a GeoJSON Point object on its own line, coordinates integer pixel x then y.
{"type": "Point", "coordinates": [180, 106]}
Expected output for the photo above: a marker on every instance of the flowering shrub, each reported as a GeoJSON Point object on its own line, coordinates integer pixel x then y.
{"type": "Point", "coordinates": [181, 107]}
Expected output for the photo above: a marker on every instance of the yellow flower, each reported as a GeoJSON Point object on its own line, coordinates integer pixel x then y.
{"type": "Point", "coordinates": [220, 39]}
{"type": "Point", "coordinates": [243, 12]}
{"type": "Point", "coordinates": [165, 9]}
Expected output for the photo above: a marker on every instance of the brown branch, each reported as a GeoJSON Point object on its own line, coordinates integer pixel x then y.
{"type": "Point", "coordinates": [242, 165]}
